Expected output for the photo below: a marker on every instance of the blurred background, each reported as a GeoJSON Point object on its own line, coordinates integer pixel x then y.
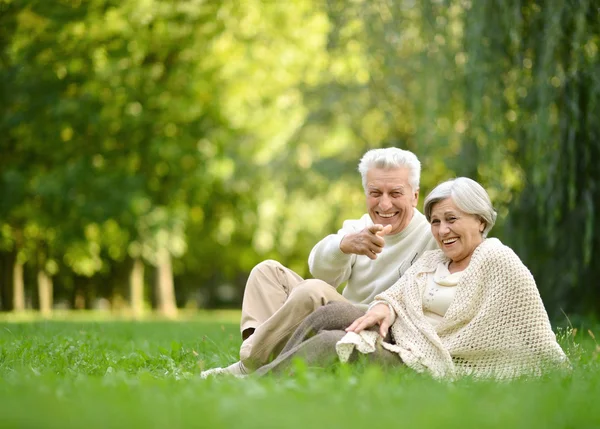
{"type": "Point", "coordinates": [153, 151]}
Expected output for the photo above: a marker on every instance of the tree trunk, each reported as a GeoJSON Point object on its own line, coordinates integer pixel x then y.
{"type": "Point", "coordinates": [136, 288]}
{"type": "Point", "coordinates": [165, 290]}
{"type": "Point", "coordinates": [6, 266]}
{"type": "Point", "coordinates": [18, 286]}
{"type": "Point", "coordinates": [79, 301]}
{"type": "Point", "coordinates": [45, 292]}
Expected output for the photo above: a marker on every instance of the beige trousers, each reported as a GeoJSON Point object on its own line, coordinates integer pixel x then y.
{"type": "Point", "coordinates": [276, 300]}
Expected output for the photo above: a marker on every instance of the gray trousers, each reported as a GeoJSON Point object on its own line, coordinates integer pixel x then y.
{"type": "Point", "coordinates": [315, 338]}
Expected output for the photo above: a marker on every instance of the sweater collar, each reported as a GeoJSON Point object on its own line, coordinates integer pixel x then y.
{"type": "Point", "coordinates": [480, 251]}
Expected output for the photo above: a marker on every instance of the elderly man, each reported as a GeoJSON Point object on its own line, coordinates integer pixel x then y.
{"type": "Point", "coordinates": [370, 254]}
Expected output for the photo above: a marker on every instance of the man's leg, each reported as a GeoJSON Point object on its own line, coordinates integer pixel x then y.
{"type": "Point", "coordinates": [267, 289]}
{"type": "Point", "coordinates": [270, 337]}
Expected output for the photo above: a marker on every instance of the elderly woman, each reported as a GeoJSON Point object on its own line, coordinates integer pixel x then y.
{"type": "Point", "coordinates": [471, 308]}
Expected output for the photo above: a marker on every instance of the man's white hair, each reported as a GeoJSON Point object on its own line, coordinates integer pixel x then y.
{"type": "Point", "coordinates": [388, 158]}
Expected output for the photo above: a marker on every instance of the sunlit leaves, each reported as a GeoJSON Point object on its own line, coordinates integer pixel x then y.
{"type": "Point", "coordinates": [228, 132]}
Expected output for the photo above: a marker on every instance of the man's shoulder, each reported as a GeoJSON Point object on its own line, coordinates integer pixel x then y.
{"type": "Point", "coordinates": [358, 224]}
{"type": "Point", "coordinates": [420, 218]}
{"type": "Point", "coordinates": [419, 230]}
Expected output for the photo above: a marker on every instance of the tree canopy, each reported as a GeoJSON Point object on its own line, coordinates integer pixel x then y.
{"type": "Point", "coordinates": [203, 137]}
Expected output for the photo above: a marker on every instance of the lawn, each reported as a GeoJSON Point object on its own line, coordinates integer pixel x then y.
{"type": "Point", "coordinates": [87, 373]}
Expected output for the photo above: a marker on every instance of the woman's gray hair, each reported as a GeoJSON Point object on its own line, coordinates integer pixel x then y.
{"type": "Point", "coordinates": [468, 195]}
{"type": "Point", "coordinates": [391, 157]}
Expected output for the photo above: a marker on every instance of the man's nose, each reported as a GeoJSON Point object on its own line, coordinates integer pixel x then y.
{"type": "Point", "coordinates": [385, 203]}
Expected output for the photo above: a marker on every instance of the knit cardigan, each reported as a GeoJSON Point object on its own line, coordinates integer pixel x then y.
{"type": "Point", "coordinates": [496, 326]}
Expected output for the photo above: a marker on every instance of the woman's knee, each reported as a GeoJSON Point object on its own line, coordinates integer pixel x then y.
{"type": "Point", "coordinates": [334, 316]}
{"type": "Point", "coordinates": [343, 310]}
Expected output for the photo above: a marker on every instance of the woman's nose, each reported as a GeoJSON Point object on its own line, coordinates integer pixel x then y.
{"type": "Point", "coordinates": [444, 229]}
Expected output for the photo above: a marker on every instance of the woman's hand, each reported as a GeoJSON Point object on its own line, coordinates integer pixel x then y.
{"type": "Point", "coordinates": [377, 315]}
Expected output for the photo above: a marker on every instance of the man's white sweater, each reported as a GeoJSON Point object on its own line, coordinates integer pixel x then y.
{"type": "Point", "coordinates": [366, 277]}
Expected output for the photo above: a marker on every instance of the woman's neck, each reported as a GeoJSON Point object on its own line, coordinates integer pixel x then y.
{"type": "Point", "coordinates": [456, 266]}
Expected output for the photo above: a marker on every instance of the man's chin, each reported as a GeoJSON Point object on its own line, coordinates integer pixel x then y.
{"type": "Point", "coordinates": [388, 221]}
{"type": "Point", "coordinates": [394, 225]}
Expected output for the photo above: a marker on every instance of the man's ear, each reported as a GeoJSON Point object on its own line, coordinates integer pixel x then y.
{"type": "Point", "coordinates": [416, 198]}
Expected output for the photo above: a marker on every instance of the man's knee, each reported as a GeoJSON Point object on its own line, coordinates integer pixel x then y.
{"type": "Point", "coordinates": [263, 272]}
{"type": "Point", "coordinates": [313, 291]}
{"type": "Point", "coordinates": [266, 266]}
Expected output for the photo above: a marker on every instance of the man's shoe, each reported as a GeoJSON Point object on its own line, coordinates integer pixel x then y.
{"type": "Point", "coordinates": [235, 369]}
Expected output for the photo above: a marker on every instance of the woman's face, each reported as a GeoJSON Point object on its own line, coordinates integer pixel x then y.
{"type": "Point", "coordinates": [456, 232]}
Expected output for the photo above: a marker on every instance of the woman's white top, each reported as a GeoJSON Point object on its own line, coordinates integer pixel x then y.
{"type": "Point", "coordinates": [439, 293]}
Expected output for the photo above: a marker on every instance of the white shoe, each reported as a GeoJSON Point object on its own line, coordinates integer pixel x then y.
{"type": "Point", "coordinates": [236, 369]}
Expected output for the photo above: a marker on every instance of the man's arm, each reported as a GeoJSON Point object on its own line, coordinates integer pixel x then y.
{"type": "Point", "coordinates": [332, 258]}
{"type": "Point", "coordinates": [368, 242]}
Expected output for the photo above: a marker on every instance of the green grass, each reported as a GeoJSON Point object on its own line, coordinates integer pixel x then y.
{"type": "Point", "coordinates": [112, 374]}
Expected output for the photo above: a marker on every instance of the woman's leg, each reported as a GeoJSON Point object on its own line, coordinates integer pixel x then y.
{"type": "Point", "coordinates": [334, 316]}
{"type": "Point", "coordinates": [318, 350]}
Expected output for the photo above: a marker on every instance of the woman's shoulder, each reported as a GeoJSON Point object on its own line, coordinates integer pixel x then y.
{"type": "Point", "coordinates": [493, 245]}
{"type": "Point", "coordinates": [430, 259]}
{"type": "Point", "coordinates": [492, 250]}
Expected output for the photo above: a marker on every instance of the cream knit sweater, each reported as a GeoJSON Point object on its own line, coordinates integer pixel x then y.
{"type": "Point", "coordinates": [366, 277]}
{"type": "Point", "coordinates": [495, 327]}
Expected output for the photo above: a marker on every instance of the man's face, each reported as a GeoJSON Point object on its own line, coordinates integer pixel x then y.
{"type": "Point", "coordinates": [390, 199]}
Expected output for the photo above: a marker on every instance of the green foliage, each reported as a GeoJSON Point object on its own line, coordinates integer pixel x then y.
{"type": "Point", "coordinates": [127, 374]}
{"type": "Point", "coordinates": [229, 132]}
{"type": "Point", "coordinates": [554, 221]}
